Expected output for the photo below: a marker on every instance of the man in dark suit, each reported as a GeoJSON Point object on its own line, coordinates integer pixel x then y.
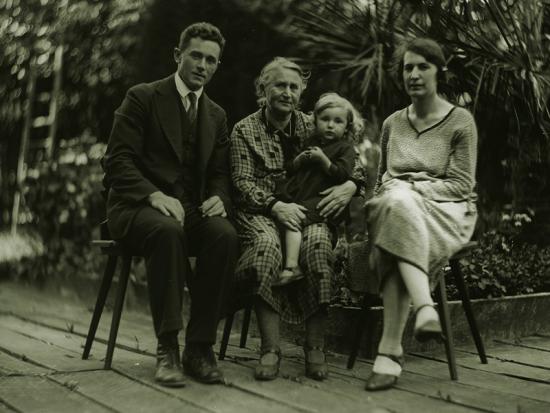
{"type": "Point", "coordinates": [167, 169]}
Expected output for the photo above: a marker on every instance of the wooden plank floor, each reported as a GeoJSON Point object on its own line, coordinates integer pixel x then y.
{"type": "Point", "coordinates": [41, 370]}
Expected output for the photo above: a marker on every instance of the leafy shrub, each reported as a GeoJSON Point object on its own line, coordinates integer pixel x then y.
{"type": "Point", "coordinates": [63, 206]}
{"type": "Point", "coordinates": [504, 263]}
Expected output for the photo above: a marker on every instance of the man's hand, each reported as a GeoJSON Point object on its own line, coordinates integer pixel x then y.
{"type": "Point", "coordinates": [213, 207]}
{"type": "Point", "coordinates": [167, 205]}
{"type": "Point", "coordinates": [336, 198]}
{"type": "Point", "coordinates": [290, 215]}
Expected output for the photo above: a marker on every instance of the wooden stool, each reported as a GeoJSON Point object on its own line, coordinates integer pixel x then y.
{"type": "Point", "coordinates": [443, 309]}
{"type": "Point", "coordinates": [114, 251]}
{"type": "Point", "coordinates": [247, 306]}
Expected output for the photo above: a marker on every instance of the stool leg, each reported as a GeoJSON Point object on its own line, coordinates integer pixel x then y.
{"type": "Point", "coordinates": [362, 321]}
{"type": "Point", "coordinates": [117, 310]}
{"type": "Point", "coordinates": [467, 305]}
{"type": "Point", "coordinates": [441, 296]}
{"type": "Point", "coordinates": [246, 324]}
{"type": "Point", "coordinates": [100, 303]}
{"type": "Point", "coordinates": [225, 338]}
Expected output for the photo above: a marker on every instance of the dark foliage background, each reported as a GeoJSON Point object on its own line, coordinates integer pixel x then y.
{"type": "Point", "coordinates": [499, 68]}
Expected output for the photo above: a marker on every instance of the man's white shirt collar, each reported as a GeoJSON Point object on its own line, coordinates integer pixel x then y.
{"type": "Point", "coordinates": [183, 91]}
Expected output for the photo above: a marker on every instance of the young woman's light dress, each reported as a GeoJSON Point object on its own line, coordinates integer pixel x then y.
{"type": "Point", "coordinates": [424, 209]}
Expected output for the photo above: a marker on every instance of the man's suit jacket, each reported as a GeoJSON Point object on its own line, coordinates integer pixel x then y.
{"type": "Point", "coordinates": [144, 154]}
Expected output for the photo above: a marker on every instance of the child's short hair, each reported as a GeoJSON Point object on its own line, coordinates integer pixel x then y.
{"type": "Point", "coordinates": [334, 100]}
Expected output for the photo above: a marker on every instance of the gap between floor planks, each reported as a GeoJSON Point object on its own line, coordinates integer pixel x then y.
{"type": "Point", "coordinates": [238, 395]}
{"type": "Point", "coordinates": [466, 359]}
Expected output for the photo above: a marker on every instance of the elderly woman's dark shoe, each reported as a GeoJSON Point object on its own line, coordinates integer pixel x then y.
{"type": "Point", "coordinates": [268, 365]}
{"type": "Point", "coordinates": [316, 363]}
{"type": "Point", "coordinates": [381, 381]}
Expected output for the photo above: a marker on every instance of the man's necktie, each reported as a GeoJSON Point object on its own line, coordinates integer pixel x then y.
{"type": "Point", "coordinates": [192, 110]}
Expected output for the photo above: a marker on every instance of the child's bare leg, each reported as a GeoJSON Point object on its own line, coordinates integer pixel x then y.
{"type": "Point", "coordinates": [291, 271]}
{"type": "Point", "coordinates": [293, 242]}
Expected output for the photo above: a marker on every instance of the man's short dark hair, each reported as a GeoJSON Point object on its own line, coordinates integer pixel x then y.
{"type": "Point", "coordinates": [205, 31]}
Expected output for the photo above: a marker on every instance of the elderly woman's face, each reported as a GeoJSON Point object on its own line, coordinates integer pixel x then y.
{"type": "Point", "coordinates": [419, 75]}
{"type": "Point", "coordinates": [283, 90]}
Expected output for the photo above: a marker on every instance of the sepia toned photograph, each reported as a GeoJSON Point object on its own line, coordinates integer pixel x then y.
{"type": "Point", "coordinates": [275, 206]}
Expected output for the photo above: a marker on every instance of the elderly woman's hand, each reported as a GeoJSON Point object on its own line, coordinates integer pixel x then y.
{"type": "Point", "coordinates": [336, 198]}
{"type": "Point", "coordinates": [290, 215]}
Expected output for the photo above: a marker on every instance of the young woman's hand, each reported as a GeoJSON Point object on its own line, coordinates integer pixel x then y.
{"type": "Point", "coordinates": [393, 184]}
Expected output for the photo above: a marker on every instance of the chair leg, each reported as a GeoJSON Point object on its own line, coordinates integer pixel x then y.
{"type": "Point", "coordinates": [362, 322]}
{"type": "Point", "coordinates": [100, 303]}
{"type": "Point", "coordinates": [467, 305]}
{"type": "Point", "coordinates": [117, 310]}
{"type": "Point", "coordinates": [441, 296]}
{"type": "Point", "coordinates": [225, 338]}
{"type": "Point", "coordinates": [246, 324]}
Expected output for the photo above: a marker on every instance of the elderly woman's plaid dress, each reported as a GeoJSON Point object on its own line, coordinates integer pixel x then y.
{"type": "Point", "coordinates": [257, 158]}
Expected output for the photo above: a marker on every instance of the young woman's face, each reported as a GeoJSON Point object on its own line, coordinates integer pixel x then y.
{"type": "Point", "coordinates": [331, 123]}
{"type": "Point", "coordinates": [419, 75]}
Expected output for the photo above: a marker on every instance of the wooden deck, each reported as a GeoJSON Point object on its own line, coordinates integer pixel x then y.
{"type": "Point", "coordinates": [41, 370]}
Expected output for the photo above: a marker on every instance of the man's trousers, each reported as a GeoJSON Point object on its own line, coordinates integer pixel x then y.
{"type": "Point", "coordinates": [166, 245]}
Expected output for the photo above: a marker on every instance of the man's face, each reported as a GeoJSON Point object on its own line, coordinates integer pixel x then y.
{"type": "Point", "coordinates": [283, 90]}
{"type": "Point", "coordinates": [197, 62]}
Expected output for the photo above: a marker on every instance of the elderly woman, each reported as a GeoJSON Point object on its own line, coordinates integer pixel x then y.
{"type": "Point", "coordinates": [261, 143]}
{"type": "Point", "coordinates": [424, 209]}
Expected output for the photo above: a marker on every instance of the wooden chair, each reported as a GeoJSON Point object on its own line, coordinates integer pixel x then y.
{"type": "Point", "coordinates": [245, 304]}
{"type": "Point", "coordinates": [443, 308]}
{"type": "Point", "coordinates": [114, 252]}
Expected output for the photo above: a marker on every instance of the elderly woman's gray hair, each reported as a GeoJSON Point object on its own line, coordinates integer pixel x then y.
{"type": "Point", "coordinates": [266, 74]}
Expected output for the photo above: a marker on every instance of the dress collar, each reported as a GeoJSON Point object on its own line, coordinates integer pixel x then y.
{"type": "Point", "coordinates": [289, 130]}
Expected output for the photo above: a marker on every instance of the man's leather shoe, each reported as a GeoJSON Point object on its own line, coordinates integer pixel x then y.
{"type": "Point", "coordinates": [200, 363]}
{"type": "Point", "coordinates": [168, 371]}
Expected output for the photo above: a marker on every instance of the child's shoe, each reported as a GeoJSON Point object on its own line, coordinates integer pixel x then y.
{"type": "Point", "coordinates": [288, 275]}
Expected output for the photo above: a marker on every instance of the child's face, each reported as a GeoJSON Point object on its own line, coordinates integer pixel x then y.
{"type": "Point", "coordinates": [331, 123]}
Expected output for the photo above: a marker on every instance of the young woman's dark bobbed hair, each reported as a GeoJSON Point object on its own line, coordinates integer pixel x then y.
{"type": "Point", "coordinates": [430, 50]}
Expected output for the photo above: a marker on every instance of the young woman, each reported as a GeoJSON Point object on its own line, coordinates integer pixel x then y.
{"type": "Point", "coordinates": [424, 208]}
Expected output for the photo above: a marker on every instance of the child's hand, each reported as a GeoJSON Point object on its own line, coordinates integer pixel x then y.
{"type": "Point", "coordinates": [317, 155]}
{"type": "Point", "coordinates": [302, 157]}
